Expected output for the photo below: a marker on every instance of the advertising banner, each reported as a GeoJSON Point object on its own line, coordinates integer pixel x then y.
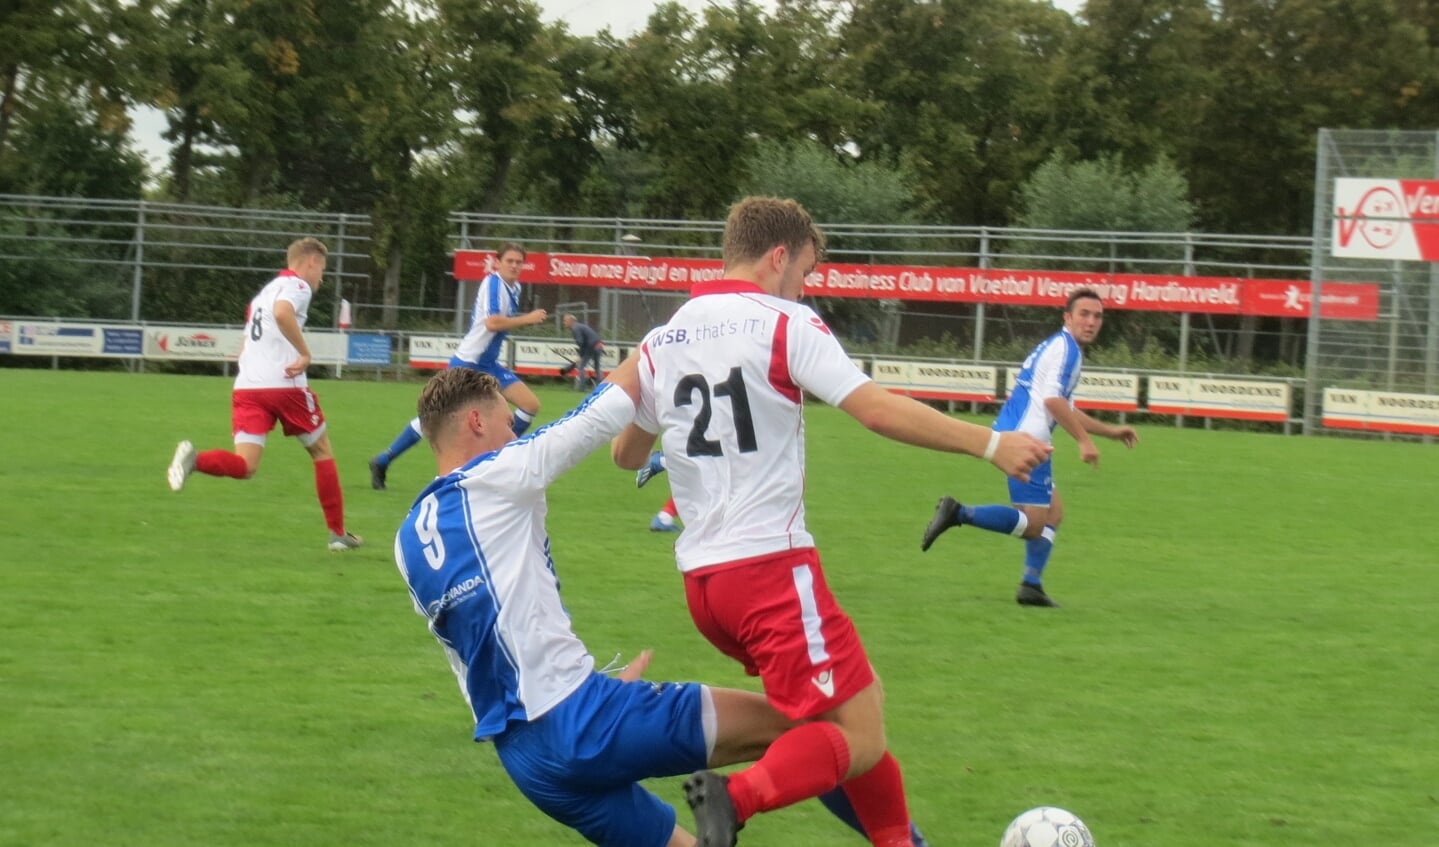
{"type": "Point", "coordinates": [432, 351]}
{"type": "Point", "coordinates": [1381, 411]}
{"type": "Point", "coordinates": [57, 339]}
{"type": "Point", "coordinates": [7, 329]}
{"type": "Point", "coordinates": [1386, 219]}
{"type": "Point", "coordinates": [937, 380]}
{"type": "Point", "coordinates": [1252, 400]}
{"type": "Point", "coordinates": [1104, 391]}
{"type": "Point", "coordinates": [1110, 392]}
{"type": "Point", "coordinates": [368, 349]}
{"type": "Point", "coordinates": [193, 343]}
{"type": "Point", "coordinates": [542, 357]}
{"type": "Point", "coordinates": [1143, 292]}
{"type": "Point", "coordinates": [68, 339]}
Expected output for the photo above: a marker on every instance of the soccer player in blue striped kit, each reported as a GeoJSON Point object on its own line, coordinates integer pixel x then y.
{"type": "Point", "coordinates": [496, 313]}
{"type": "Point", "coordinates": [1041, 399]}
{"type": "Point", "coordinates": [475, 554]}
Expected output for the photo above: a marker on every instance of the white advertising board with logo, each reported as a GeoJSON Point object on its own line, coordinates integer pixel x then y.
{"type": "Point", "coordinates": [432, 351]}
{"type": "Point", "coordinates": [1386, 219]}
{"type": "Point", "coordinates": [50, 338]}
{"type": "Point", "coordinates": [1103, 390]}
{"type": "Point", "coordinates": [937, 380]}
{"type": "Point", "coordinates": [1251, 400]}
{"type": "Point", "coordinates": [207, 344]}
{"type": "Point", "coordinates": [1381, 411]}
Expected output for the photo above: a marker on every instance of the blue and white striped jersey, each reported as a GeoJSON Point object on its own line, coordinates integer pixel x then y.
{"type": "Point", "coordinates": [476, 556]}
{"type": "Point", "coordinates": [480, 346]}
{"type": "Point", "coordinates": [1051, 370]}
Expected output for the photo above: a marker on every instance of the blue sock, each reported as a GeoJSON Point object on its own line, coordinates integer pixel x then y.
{"type": "Point", "coordinates": [838, 804]}
{"type": "Point", "coordinates": [408, 437]}
{"type": "Point", "coordinates": [996, 518]}
{"type": "Point", "coordinates": [523, 420]}
{"type": "Point", "coordinates": [1036, 555]}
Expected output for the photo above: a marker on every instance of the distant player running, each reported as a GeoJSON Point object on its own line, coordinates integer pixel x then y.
{"type": "Point", "coordinates": [271, 387]}
{"type": "Point", "coordinates": [496, 312]}
{"type": "Point", "coordinates": [1042, 397]}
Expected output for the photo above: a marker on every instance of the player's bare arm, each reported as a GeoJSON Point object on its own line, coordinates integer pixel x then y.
{"type": "Point", "coordinates": [505, 323]}
{"type": "Point", "coordinates": [1073, 422]}
{"type": "Point", "coordinates": [1125, 434]}
{"type": "Point", "coordinates": [290, 328]}
{"type": "Point", "coordinates": [631, 449]}
{"type": "Point", "coordinates": [909, 421]}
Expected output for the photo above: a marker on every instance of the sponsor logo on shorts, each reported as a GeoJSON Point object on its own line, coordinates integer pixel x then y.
{"type": "Point", "coordinates": [825, 683]}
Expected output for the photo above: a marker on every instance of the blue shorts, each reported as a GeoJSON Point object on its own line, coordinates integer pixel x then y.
{"type": "Point", "coordinates": [581, 763]}
{"type": "Point", "coordinates": [1039, 491]}
{"type": "Point", "coordinates": [506, 376]}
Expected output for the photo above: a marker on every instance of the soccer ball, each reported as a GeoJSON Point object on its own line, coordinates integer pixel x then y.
{"type": "Point", "coordinates": [1047, 826]}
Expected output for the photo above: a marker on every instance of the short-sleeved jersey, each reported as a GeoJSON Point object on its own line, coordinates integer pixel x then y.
{"type": "Point", "coordinates": [267, 352]}
{"type": "Point", "coordinates": [480, 346]}
{"type": "Point", "coordinates": [476, 557]}
{"type": "Point", "coordinates": [1051, 370]}
{"type": "Point", "coordinates": [724, 381]}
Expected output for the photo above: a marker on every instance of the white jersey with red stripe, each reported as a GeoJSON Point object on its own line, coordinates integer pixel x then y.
{"type": "Point", "coordinates": [723, 382]}
{"type": "Point", "coordinates": [267, 352]}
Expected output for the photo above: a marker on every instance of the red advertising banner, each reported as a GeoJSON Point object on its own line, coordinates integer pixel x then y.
{"type": "Point", "coordinates": [1143, 292]}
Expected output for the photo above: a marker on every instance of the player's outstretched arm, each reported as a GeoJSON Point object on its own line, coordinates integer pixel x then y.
{"type": "Point", "coordinates": [909, 421]}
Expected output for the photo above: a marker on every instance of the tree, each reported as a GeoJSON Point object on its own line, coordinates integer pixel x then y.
{"type": "Point", "coordinates": [1285, 71]}
{"type": "Point", "coordinates": [1104, 195]}
{"type": "Point", "coordinates": [962, 95]}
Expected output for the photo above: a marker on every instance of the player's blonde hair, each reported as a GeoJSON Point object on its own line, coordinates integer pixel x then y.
{"type": "Point", "coordinates": [450, 391]}
{"type": "Point", "coordinates": [757, 225]}
{"type": "Point", "coordinates": [303, 248]}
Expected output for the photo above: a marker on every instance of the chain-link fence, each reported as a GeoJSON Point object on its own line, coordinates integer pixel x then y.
{"type": "Point", "coordinates": [1400, 351]}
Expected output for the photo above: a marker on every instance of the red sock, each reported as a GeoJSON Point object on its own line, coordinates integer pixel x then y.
{"type": "Point", "coordinates": [805, 762]}
{"type": "Point", "coordinates": [877, 796]}
{"type": "Point", "coordinates": [222, 463]}
{"type": "Point", "coordinates": [327, 485]}
{"type": "Point", "coordinates": [670, 508]}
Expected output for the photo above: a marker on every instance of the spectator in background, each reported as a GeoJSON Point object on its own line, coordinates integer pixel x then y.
{"type": "Point", "coordinates": [590, 347]}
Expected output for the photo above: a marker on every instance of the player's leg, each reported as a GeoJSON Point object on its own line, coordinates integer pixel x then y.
{"type": "Point", "coordinates": [380, 465]}
{"type": "Point", "coordinates": [780, 620]}
{"type": "Point", "coordinates": [581, 763]}
{"type": "Point", "coordinates": [654, 467]}
{"type": "Point", "coordinates": [664, 519]}
{"type": "Point", "coordinates": [327, 489]}
{"type": "Point", "coordinates": [526, 404]}
{"type": "Point", "coordinates": [251, 418]}
{"type": "Point", "coordinates": [996, 517]}
{"type": "Point", "coordinates": [1037, 549]}
{"type": "Point", "coordinates": [838, 804]}
{"type": "Point", "coordinates": [301, 417]}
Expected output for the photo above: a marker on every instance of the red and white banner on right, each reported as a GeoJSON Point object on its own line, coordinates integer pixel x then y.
{"type": "Point", "coordinates": [1386, 219]}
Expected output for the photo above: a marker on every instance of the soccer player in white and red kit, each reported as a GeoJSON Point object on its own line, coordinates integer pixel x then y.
{"type": "Point", "coordinates": [271, 387]}
{"type": "Point", "coordinates": [724, 382]}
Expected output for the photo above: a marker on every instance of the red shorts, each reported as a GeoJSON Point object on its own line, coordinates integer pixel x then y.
{"type": "Point", "coordinates": [255, 411]}
{"type": "Point", "coordinates": [777, 617]}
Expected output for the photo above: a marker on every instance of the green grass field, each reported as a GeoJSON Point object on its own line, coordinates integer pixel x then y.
{"type": "Point", "coordinates": [1246, 656]}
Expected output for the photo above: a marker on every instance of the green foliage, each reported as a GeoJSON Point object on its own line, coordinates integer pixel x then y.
{"type": "Point", "coordinates": [1103, 195]}
{"type": "Point", "coordinates": [61, 149]}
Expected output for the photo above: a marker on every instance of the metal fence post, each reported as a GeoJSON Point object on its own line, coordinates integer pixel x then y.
{"type": "Point", "coordinates": [339, 268]}
{"type": "Point", "coordinates": [139, 262]}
